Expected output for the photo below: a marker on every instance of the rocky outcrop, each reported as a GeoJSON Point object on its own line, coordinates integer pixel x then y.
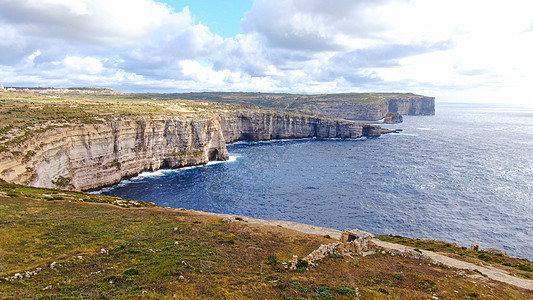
{"type": "Point", "coordinates": [353, 242]}
{"type": "Point", "coordinates": [392, 118]}
{"type": "Point", "coordinates": [86, 156]}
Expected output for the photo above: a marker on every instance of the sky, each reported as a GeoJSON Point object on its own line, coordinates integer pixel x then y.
{"type": "Point", "coordinates": [465, 51]}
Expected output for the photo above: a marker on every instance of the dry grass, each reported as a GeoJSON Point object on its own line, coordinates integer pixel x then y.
{"type": "Point", "coordinates": [164, 253]}
{"type": "Point", "coordinates": [516, 266]}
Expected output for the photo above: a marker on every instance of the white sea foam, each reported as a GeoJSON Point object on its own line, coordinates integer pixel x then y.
{"type": "Point", "coordinates": [271, 141]}
{"type": "Point", "coordinates": [160, 173]}
{"type": "Point", "coordinates": [427, 129]}
{"type": "Point", "coordinates": [232, 158]}
{"type": "Point", "coordinates": [151, 174]}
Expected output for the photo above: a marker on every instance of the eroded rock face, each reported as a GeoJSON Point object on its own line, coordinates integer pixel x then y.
{"type": "Point", "coordinates": [86, 156]}
{"type": "Point", "coordinates": [256, 126]}
{"type": "Point", "coordinates": [414, 106]}
{"type": "Point", "coordinates": [93, 155]}
{"type": "Point", "coordinates": [393, 118]}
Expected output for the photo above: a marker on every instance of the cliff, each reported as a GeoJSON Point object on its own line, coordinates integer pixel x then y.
{"type": "Point", "coordinates": [254, 126]}
{"type": "Point", "coordinates": [85, 156]}
{"type": "Point", "coordinates": [350, 106]}
{"type": "Point", "coordinates": [93, 155]}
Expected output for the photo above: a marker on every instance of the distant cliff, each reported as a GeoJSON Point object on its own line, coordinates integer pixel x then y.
{"type": "Point", "coordinates": [86, 156]}
{"type": "Point", "coordinates": [351, 106]}
{"type": "Point", "coordinates": [416, 105]}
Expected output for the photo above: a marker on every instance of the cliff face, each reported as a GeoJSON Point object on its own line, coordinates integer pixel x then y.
{"type": "Point", "coordinates": [86, 156]}
{"type": "Point", "coordinates": [253, 126]}
{"type": "Point", "coordinates": [93, 155]}
{"type": "Point", "coordinates": [413, 106]}
{"type": "Point", "coordinates": [416, 105]}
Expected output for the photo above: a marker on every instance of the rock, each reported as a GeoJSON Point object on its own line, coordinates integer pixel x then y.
{"type": "Point", "coordinates": [371, 130]}
{"type": "Point", "coordinates": [495, 251]}
{"type": "Point", "coordinates": [393, 118]}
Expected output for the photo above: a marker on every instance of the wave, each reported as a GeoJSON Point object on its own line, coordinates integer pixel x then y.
{"type": "Point", "coordinates": [160, 173]}
{"type": "Point", "coordinates": [271, 141]}
{"type": "Point", "coordinates": [428, 129]}
{"type": "Point", "coordinates": [232, 158]}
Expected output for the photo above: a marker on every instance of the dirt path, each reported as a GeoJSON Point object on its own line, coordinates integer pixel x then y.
{"type": "Point", "coordinates": [492, 273]}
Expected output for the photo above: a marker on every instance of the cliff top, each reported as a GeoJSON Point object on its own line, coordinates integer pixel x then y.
{"type": "Point", "coordinates": [289, 101]}
{"type": "Point", "coordinates": [61, 247]}
{"type": "Point", "coordinates": [24, 114]}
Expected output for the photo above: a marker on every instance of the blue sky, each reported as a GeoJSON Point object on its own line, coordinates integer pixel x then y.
{"type": "Point", "coordinates": [223, 17]}
{"type": "Point", "coordinates": [455, 50]}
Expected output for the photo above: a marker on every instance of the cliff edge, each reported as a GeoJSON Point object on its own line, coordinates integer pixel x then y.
{"type": "Point", "coordinates": [89, 144]}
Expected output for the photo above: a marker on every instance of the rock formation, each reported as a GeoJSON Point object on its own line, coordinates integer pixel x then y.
{"type": "Point", "coordinates": [86, 156]}
{"type": "Point", "coordinates": [393, 118]}
{"type": "Point", "coordinates": [353, 242]}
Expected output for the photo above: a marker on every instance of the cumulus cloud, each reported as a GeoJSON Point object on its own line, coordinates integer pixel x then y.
{"type": "Point", "coordinates": [309, 46]}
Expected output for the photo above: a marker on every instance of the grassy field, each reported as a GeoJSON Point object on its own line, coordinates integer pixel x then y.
{"type": "Point", "coordinates": [76, 245]}
{"type": "Point", "coordinates": [23, 115]}
{"type": "Point", "coordinates": [291, 102]}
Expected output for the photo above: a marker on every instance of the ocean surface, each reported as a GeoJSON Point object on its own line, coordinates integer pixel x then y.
{"type": "Point", "coordinates": [464, 175]}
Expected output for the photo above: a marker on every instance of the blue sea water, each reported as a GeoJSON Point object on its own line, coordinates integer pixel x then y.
{"type": "Point", "coordinates": [464, 175]}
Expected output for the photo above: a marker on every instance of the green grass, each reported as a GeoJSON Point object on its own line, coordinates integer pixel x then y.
{"type": "Point", "coordinates": [23, 115]}
{"type": "Point", "coordinates": [159, 253]}
{"type": "Point", "coordinates": [311, 104]}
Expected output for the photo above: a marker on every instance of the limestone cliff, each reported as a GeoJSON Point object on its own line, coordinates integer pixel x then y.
{"type": "Point", "coordinates": [93, 155]}
{"type": "Point", "coordinates": [376, 110]}
{"type": "Point", "coordinates": [86, 156]}
{"type": "Point", "coordinates": [255, 126]}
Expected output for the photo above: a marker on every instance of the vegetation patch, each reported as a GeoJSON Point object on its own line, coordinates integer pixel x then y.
{"type": "Point", "coordinates": [511, 264]}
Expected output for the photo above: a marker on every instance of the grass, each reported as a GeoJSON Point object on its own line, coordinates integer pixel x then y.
{"type": "Point", "coordinates": [25, 115]}
{"type": "Point", "coordinates": [310, 104]}
{"type": "Point", "coordinates": [517, 266]}
{"type": "Point", "coordinates": [97, 250]}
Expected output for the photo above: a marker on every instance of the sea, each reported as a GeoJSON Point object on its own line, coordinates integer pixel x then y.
{"type": "Point", "coordinates": [464, 175]}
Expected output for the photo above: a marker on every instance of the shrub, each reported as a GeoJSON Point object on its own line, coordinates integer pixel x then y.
{"type": "Point", "coordinates": [323, 293]}
{"type": "Point", "coordinates": [345, 290]}
{"type": "Point", "coordinates": [399, 277]}
{"type": "Point", "coordinates": [302, 264]}
{"type": "Point", "coordinates": [484, 257]}
{"type": "Point", "coordinates": [131, 272]}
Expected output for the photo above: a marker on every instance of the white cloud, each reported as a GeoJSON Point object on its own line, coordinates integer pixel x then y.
{"type": "Point", "coordinates": [475, 48]}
